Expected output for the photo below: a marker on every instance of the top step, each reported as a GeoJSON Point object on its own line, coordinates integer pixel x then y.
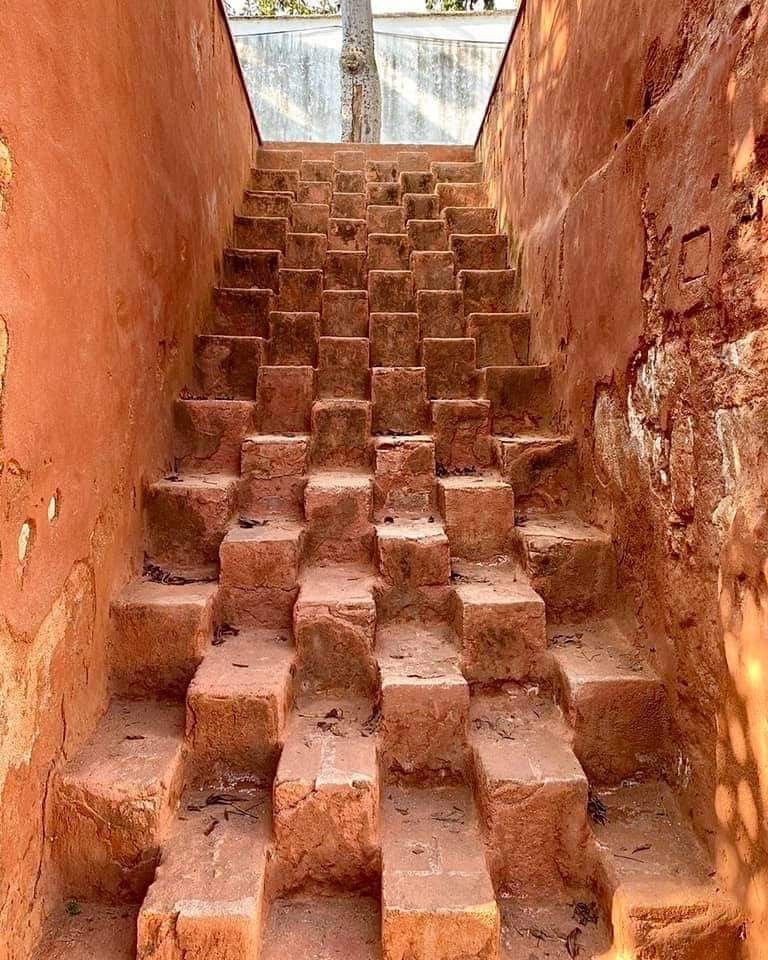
{"type": "Point", "coordinates": [447, 153]}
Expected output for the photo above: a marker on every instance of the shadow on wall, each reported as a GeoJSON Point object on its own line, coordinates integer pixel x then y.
{"type": "Point", "coordinates": [628, 158]}
{"type": "Point", "coordinates": [433, 91]}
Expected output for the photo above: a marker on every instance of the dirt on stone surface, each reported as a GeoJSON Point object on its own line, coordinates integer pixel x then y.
{"type": "Point", "coordinates": [627, 157]}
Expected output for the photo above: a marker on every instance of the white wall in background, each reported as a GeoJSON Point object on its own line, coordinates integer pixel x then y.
{"type": "Point", "coordinates": [436, 74]}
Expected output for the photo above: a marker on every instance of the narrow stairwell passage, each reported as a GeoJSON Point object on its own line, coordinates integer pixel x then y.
{"type": "Point", "coordinates": [375, 695]}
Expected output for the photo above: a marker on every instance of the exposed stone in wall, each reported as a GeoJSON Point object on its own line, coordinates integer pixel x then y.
{"type": "Point", "coordinates": [636, 189]}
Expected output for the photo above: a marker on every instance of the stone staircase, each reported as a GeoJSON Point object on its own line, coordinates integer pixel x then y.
{"type": "Point", "coordinates": [374, 696]}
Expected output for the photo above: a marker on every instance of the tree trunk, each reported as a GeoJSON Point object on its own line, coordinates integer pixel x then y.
{"type": "Point", "coordinates": [360, 87]}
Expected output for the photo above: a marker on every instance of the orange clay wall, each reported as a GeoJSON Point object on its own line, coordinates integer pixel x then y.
{"type": "Point", "coordinates": [125, 141]}
{"type": "Point", "coordinates": [627, 149]}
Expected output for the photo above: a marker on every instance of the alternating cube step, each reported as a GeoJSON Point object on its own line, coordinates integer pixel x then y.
{"type": "Point", "coordinates": [500, 623]}
{"type": "Point", "coordinates": [273, 476]}
{"type": "Point", "coordinates": [448, 171]}
{"type": "Point", "coordinates": [300, 290]}
{"type": "Point", "coordinates": [404, 480]}
{"type": "Point", "coordinates": [479, 251]}
{"type": "Point", "coordinates": [344, 367]}
{"type": "Point", "coordinates": [413, 553]}
{"type": "Point", "coordinates": [479, 515]}
{"type": "Point", "coordinates": [539, 467]}
{"type": "Point", "coordinates": [334, 629]}
{"type": "Point", "coordinates": [345, 313]}
{"type": "Point", "coordinates": [571, 564]}
{"type": "Point", "coordinates": [284, 398]}
{"type": "Point", "coordinates": [501, 338]}
{"type": "Point", "coordinates": [339, 510]}
{"type": "Point", "coordinates": [227, 367]}
{"type": "Point", "coordinates": [441, 313]}
{"type": "Point", "coordinates": [394, 339]}
{"type": "Point", "coordinates": [532, 793]}
{"type": "Point", "coordinates": [334, 928]}
{"type": "Point", "coordinates": [159, 635]}
{"type": "Point", "coordinates": [399, 397]}
{"type": "Point", "coordinates": [487, 291]}
{"type": "Point", "coordinates": [519, 397]}
{"type": "Point", "coordinates": [341, 433]}
{"type": "Point", "coordinates": [469, 219]}
{"type": "Point", "coordinates": [252, 268]}
{"type": "Point", "coordinates": [187, 518]}
{"type": "Point", "coordinates": [93, 932]}
{"type": "Point", "coordinates": [450, 367]}
{"type": "Point", "coordinates": [261, 233]}
{"type": "Point", "coordinates": [239, 312]}
{"type": "Point", "coordinates": [209, 889]}
{"type": "Point", "coordinates": [113, 802]}
{"type": "Point", "coordinates": [293, 338]}
{"type": "Point", "coordinates": [283, 181]}
{"type": "Point", "coordinates": [437, 898]}
{"type": "Point", "coordinates": [424, 702]}
{"type": "Point", "coordinates": [208, 434]}
{"type": "Point", "coordinates": [326, 800]}
{"type": "Point", "coordinates": [260, 561]}
{"type": "Point", "coordinates": [615, 704]}
{"type": "Point", "coordinates": [266, 203]}
{"type": "Point", "coordinates": [462, 432]}
{"type": "Point", "coordinates": [658, 881]}
{"type": "Point", "coordinates": [237, 706]}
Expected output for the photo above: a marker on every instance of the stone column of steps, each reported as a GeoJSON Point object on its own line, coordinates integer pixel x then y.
{"type": "Point", "coordinates": [374, 696]}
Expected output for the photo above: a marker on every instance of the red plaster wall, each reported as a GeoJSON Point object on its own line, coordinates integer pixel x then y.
{"type": "Point", "coordinates": [125, 141]}
{"type": "Point", "coordinates": [627, 146]}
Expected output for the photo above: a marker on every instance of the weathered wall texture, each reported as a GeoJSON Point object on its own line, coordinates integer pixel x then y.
{"type": "Point", "coordinates": [125, 140]}
{"type": "Point", "coordinates": [628, 151]}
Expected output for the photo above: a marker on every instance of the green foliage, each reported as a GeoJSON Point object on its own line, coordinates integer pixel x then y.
{"type": "Point", "coordinates": [282, 8]}
{"type": "Point", "coordinates": [459, 6]}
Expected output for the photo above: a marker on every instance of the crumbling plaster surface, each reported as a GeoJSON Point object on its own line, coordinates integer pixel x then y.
{"type": "Point", "coordinates": [628, 156]}
{"type": "Point", "coordinates": [125, 141]}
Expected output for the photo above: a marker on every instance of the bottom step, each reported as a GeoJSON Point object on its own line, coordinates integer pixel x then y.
{"type": "Point", "coordinates": [569, 927]}
{"type": "Point", "coordinates": [93, 933]}
{"type": "Point", "coordinates": [323, 928]}
{"type": "Point", "coordinates": [437, 898]}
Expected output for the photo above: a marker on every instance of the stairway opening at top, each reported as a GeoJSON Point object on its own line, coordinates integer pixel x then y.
{"type": "Point", "coordinates": [436, 59]}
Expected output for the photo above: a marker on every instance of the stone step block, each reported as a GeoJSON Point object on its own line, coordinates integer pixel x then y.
{"type": "Point", "coordinates": [502, 338]}
{"type": "Point", "coordinates": [615, 704]}
{"type": "Point", "coordinates": [532, 794]}
{"type": "Point", "coordinates": [437, 897]}
{"type": "Point", "coordinates": [341, 433]}
{"type": "Point", "coordinates": [300, 290]}
{"type": "Point", "coordinates": [349, 159]}
{"type": "Point", "coordinates": [404, 478]}
{"type": "Point", "coordinates": [450, 366]}
{"type": "Point", "coordinates": [399, 396]}
{"type": "Point", "coordinates": [322, 170]}
{"type": "Point", "coordinates": [347, 234]}
{"type": "Point", "coordinates": [427, 235]}
{"type": "Point", "coordinates": [208, 434]}
{"type": "Point", "coordinates": [420, 206]}
{"type": "Point", "coordinates": [381, 171]}
{"type": "Point", "coordinates": [272, 158]}
{"type": "Point", "coordinates": [388, 251]}
{"type": "Point", "coordinates": [424, 702]}
{"type": "Point", "coordinates": [228, 367]}
{"type": "Point", "coordinates": [315, 191]}
{"type": "Point", "coordinates": [282, 181]}
{"type": "Point", "coordinates": [346, 270]}
{"type": "Point", "coordinates": [540, 467]}
{"type": "Point", "coordinates": [159, 633]}
{"type": "Point", "coordinates": [441, 313]}
{"type": "Point", "coordinates": [348, 206]}
{"type": "Point", "coordinates": [252, 268]}
{"type": "Point", "coordinates": [112, 803]}
{"type": "Point", "coordinates": [479, 515]}
{"type": "Point", "coordinates": [240, 312]}
{"type": "Point", "coordinates": [261, 233]}
{"type": "Point", "coordinates": [349, 181]}
{"type": "Point", "coordinates": [284, 397]}
{"type": "Point", "coordinates": [501, 625]}
{"type": "Point", "coordinates": [237, 709]}
{"type": "Point", "coordinates": [384, 218]}
{"type": "Point", "coordinates": [413, 553]}
{"type": "Point", "coordinates": [461, 194]}
{"type": "Point", "coordinates": [306, 250]}
{"type": "Point", "coordinates": [570, 563]}
{"type": "Point", "coordinates": [194, 904]}
{"type": "Point", "coordinates": [348, 927]}
{"type": "Point", "coordinates": [310, 217]}
{"type": "Point", "coordinates": [479, 251]}
{"type": "Point", "coordinates": [433, 270]}
{"type": "Point", "coordinates": [293, 338]}
{"type": "Point", "coordinates": [520, 397]}
{"type": "Point", "coordinates": [462, 432]}
{"type": "Point", "coordinates": [334, 626]}
{"type": "Point", "coordinates": [487, 291]}
{"type": "Point", "coordinates": [326, 805]}
{"type": "Point", "coordinates": [260, 572]}
{"type": "Point", "coordinates": [452, 172]}
{"type": "Point", "coordinates": [344, 368]}
{"type": "Point", "coordinates": [339, 511]}
{"type": "Point", "coordinates": [412, 161]}
{"type": "Point", "coordinates": [345, 313]}
{"type": "Point", "coordinates": [416, 181]}
{"type": "Point", "coordinates": [186, 519]}
{"type": "Point", "coordinates": [469, 219]}
{"type": "Point", "coordinates": [391, 291]}
{"type": "Point", "coordinates": [394, 339]}
{"type": "Point", "coordinates": [273, 476]}
{"type": "Point", "coordinates": [266, 203]}
{"type": "Point", "coordinates": [382, 194]}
